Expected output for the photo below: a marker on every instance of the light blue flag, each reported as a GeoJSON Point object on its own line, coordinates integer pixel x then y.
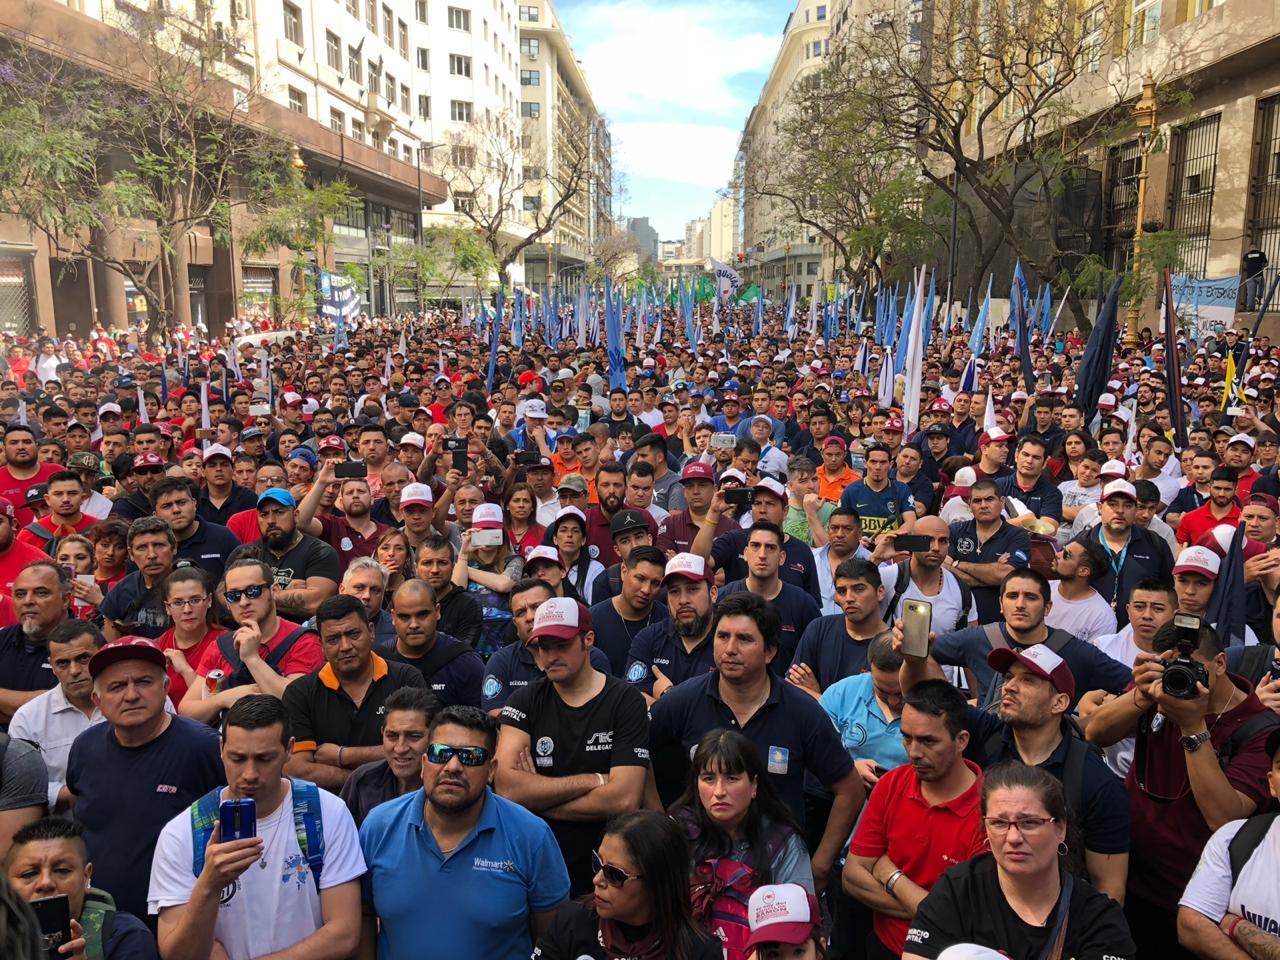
{"type": "Point", "coordinates": [758, 325]}
{"type": "Point", "coordinates": [613, 333]}
{"type": "Point", "coordinates": [928, 307]}
{"type": "Point", "coordinates": [1046, 312]}
{"type": "Point", "coordinates": [978, 332]}
{"type": "Point", "coordinates": [493, 343]}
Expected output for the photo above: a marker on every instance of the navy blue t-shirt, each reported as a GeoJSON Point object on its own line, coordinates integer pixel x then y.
{"type": "Point", "coordinates": [798, 567]}
{"type": "Point", "coordinates": [125, 796]}
{"type": "Point", "coordinates": [208, 548]}
{"type": "Point", "coordinates": [965, 547]}
{"type": "Point", "coordinates": [457, 683]}
{"type": "Point", "coordinates": [660, 646]}
{"type": "Point", "coordinates": [1189, 498]}
{"type": "Point", "coordinates": [1146, 555]}
{"type": "Point", "coordinates": [791, 730]}
{"type": "Point", "coordinates": [24, 665]}
{"type": "Point", "coordinates": [880, 511]}
{"type": "Point", "coordinates": [795, 608]}
{"type": "Point", "coordinates": [140, 611]}
{"type": "Point", "coordinates": [614, 635]}
{"type": "Point", "coordinates": [512, 668]}
{"type": "Point", "coordinates": [830, 652]}
{"type": "Point", "coordinates": [1043, 499]}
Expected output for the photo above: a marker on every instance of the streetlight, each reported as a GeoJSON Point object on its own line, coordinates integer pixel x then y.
{"type": "Point", "coordinates": [1144, 118]}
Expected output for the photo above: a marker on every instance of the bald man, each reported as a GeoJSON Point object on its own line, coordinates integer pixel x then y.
{"type": "Point", "coordinates": [453, 671]}
{"type": "Point", "coordinates": [919, 575]}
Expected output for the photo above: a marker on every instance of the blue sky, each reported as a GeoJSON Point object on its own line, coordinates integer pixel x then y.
{"type": "Point", "coordinates": [676, 80]}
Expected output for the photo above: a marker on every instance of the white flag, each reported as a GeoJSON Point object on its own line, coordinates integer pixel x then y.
{"type": "Point", "coordinates": [914, 366]}
{"type": "Point", "coordinates": [728, 280]}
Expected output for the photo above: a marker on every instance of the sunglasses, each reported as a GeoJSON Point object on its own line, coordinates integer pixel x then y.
{"type": "Point", "coordinates": [613, 876]}
{"type": "Point", "coordinates": [441, 754]}
{"type": "Point", "coordinates": [253, 593]}
{"type": "Point", "coordinates": [148, 471]}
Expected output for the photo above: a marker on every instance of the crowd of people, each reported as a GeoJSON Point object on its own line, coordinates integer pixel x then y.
{"type": "Point", "coordinates": [395, 644]}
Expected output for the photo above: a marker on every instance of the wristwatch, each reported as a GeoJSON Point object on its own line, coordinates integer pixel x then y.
{"type": "Point", "coordinates": [1193, 743]}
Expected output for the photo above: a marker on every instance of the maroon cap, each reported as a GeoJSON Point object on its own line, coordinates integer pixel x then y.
{"type": "Point", "coordinates": [7, 508]}
{"type": "Point", "coordinates": [332, 442]}
{"type": "Point", "coordinates": [148, 459]}
{"type": "Point", "coordinates": [697, 471]}
{"type": "Point", "coordinates": [126, 648]}
{"type": "Point", "coordinates": [561, 617]}
{"type": "Point", "coordinates": [893, 425]}
{"type": "Point", "coordinates": [1264, 500]}
{"type": "Point", "coordinates": [1041, 661]}
{"type": "Point", "coordinates": [834, 441]}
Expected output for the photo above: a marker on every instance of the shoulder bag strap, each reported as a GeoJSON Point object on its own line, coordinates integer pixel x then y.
{"type": "Point", "coordinates": [1053, 947]}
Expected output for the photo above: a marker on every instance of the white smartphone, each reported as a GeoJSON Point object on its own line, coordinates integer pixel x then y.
{"type": "Point", "coordinates": [917, 621]}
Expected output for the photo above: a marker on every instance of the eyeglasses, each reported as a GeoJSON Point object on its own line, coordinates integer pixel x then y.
{"type": "Point", "coordinates": [1026, 825]}
{"type": "Point", "coordinates": [440, 753]}
{"type": "Point", "coordinates": [183, 604]}
{"type": "Point", "coordinates": [613, 876]}
{"type": "Point", "coordinates": [253, 593]}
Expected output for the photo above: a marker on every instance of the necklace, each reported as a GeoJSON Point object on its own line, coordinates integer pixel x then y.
{"type": "Point", "coordinates": [275, 829]}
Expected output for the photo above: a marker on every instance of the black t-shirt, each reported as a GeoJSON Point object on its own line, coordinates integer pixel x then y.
{"type": "Point", "coordinates": [966, 905]}
{"type": "Point", "coordinates": [615, 635]}
{"type": "Point", "coordinates": [574, 934]}
{"type": "Point", "coordinates": [455, 683]}
{"type": "Point", "coordinates": [610, 730]}
{"type": "Point", "coordinates": [460, 615]}
{"type": "Point", "coordinates": [140, 611]}
{"type": "Point", "coordinates": [309, 557]}
{"type": "Point", "coordinates": [320, 711]}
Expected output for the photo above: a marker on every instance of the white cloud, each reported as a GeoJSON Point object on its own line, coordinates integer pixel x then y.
{"type": "Point", "coordinates": [682, 152]}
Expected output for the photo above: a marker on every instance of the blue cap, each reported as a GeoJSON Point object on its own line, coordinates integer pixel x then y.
{"type": "Point", "coordinates": [844, 396]}
{"type": "Point", "coordinates": [304, 453]}
{"type": "Point", "coordinates": [838, 375]}
{"type": "Point", "coordinates": [568, 433]}
{"type": "Point", "coordinates": [679, 385]}
{"type": "Point", "coordinates": [282, 497]}
{"type": "Point", "coordinates": [708, 394]}
{"type": "Point", "coordinates": [731, 385]}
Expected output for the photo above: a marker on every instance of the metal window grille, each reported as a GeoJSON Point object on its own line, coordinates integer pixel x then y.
{"type": "Point", "coordinates": [17, 315]}
{"type": "Point", "coordinates": [1264, 189]}
{"type": "Point", "coordinates": [1191, 178]}
{"type": "Point", "coordinates": [1123, 164]}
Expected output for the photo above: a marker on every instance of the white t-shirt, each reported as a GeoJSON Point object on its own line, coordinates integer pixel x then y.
{"type": "Point", "coordinates": [1168, 487]}
{"type": "Point", "coordinates": [1256, 892]}
{"type": "Point", "coordinates": [271, 907]}
{"type": "Point", "coordinates": [1120, 647]}
{"type": "Point", "coordinates": [1086, 619]}
{"type": "Point", "coordinates": [650, 418]}
{"type": "Point", "coordinates": [946, 605]}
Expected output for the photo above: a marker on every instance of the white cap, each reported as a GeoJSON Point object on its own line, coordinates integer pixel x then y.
{"type": "Point", "coordinates": [292, 399]}
{"type": "Point", "coordinates": [733, 474]}
{"type": "Point", "coordinates": [561, 617]}
{"type": "Point", "coordinates": [217, 450]}
{"type": "Point", "coordinates": [535, 408]}
{"type": "Point", "coordinates": [109, 408]}
{"type": "Point", "coordinates": [688, 565]}
{"type": "Point", "coordinates": [1122, 413]}
{"type": "Point", "coordinates": [1106, 400]}
{"type": "Point", "coordinates": [773, 486]}
{"type": "Point", "coordinates": [1120, 488]}
{"type": "Point", "coordinates": [1244, 438]}
{"type": "Point", "coordinates": [416, 493]}
{"type": "Point", "coordinates": [1199, 560]}
{"type": "Point", "coordinates": [414, 440]}
{"type": "Point", "coordinates": [570, 512]}
{"type": "Point", "coordinates": [550, 554]}
{"type": "Point", "coordinates": [965, 477]}
{"type": "Point", "coordinates": [782, 913]}
{"type": "Point", "coordinates": [487, 516]}
{"type": "Point", "coordinates": [310, 405]}
{"type": "Point", "coordinates": [1018, 395]}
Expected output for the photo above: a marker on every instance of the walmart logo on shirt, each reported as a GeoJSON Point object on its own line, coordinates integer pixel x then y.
{"type": "Point", "coordinates": [493, 866]}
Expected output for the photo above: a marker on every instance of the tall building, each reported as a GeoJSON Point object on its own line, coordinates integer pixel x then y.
{"type": "Point", "coordinates": [340, 81]}
{"type": "Point", "coordinates": [722, 236]}
{"type": "Point", "coordinates": [646, 237]}
{"type": "Point", "coordinates": [781, 253]}
{"type": "Point", "coordinates": [695, 239]}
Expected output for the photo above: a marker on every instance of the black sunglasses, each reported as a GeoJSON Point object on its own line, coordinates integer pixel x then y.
{"type": "Point", "coordinates": [440, 753]}
{"type": "Point", "coordinates": [253, 593]}
{"type": "Point", "coordinates": [613, 876]}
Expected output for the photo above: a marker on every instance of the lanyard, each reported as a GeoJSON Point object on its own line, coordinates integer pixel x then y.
{"type": "Point", "coordinates": [1117, 564]}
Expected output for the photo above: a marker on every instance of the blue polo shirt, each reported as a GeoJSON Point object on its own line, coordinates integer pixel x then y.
{"type": "Point", "coordinates": [24, 665]}
{"type": "Point", "coordinates": [1145, 555]}
{"type": "Point", "coordinates": [830, 652]}
{"type": "Point", "coordinates": [614, 635]}
{"type": "Point", "coordinates": [796, 609]}
{"type": "Point", "coordinates": [1092, 669]}
{"type": "Point", "coordinates": [966, 547]}
{"type": "Point", "coordinates": [798, 567]}
{"type": "Point", "coordinates": [879, 510]}
{"type": "Point", "coordinates": [506, 869]}
{"type": "Point", "coordinates": [209, 547]}
{"type": "Point", "coordinates": [1043, 499]}
{"type": "Point", "coordinates": [791, 731]}
{"type": "Point", "coordinates": [512, 668]}
{"type": "Point", "coordinates": [659, 645]}
{"type": "Point", "coordinates": [852, 706]}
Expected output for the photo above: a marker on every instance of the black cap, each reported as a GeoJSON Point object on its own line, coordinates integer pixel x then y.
{"type": "Point", "coordinates": [625, 520]}
{"type": "Point", "coordinates": [937, 430]}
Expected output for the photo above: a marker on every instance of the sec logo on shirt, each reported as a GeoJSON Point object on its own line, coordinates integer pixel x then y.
{"type": "Point", "coordinates": [544, 746]}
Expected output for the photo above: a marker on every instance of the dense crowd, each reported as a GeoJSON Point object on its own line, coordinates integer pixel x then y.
{"type": "Point", "coordinates": [400, 641]}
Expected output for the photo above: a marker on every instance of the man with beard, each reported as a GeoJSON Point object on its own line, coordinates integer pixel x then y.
{"type": "Point", "coordinates": [134, 606]}
{"type": "Point", "coordinates": [451, 669]}
{"type": "Point", "coordinates": [460, 615]}
{"type": "Point", "coordinates": [203, 543]}
{"type": "Point", "coordinates": [495, 912]}
{"type": "Point", "coordinates": [352, 535]}
{"type": "Point", "coordinates": [15, 556]}
{"type": "Point", "coordinates": [41, 594]}
{"type": "Point", "coordinates": [305, 569]}
{"type": "Point", "coordinates": [611, 486]}
{"type": "Point", "coordinates": [21, 469]}
{"type": "Point", "coordinates": [667, 653]}
{"type": "Point", "coordinates": [1221, 508]}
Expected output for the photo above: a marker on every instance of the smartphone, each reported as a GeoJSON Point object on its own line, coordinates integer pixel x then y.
{"type": "Point", "coordinates": [486, 538]}
{"type": "Point", "coordinates": [454, 444]}
{"type": "Point", "coordinates": [260, 410]}
{"type": "Point", "coordinates": [351, 471]}
{"type": "Point", "coordinates": [917, 620]}
{"type": "Point", "coordinates": [459, 460]}
{"type": "Point", "coordinates": [723, 441]}
{"type": "Point", "coordinates": [912, 542]}
{"type": "Point", "coordinates": [1188, 628]}
{"type": "Point", "coordinates": [526, 458]}
{"type": "Point", "coordinates": [54, 916]}
{"type": "Point", "coordinates": [238, 820]}
{"type": "Point", "coordinates": [739, 496]}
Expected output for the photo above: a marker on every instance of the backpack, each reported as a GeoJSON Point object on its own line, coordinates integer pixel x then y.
{"type": "Point", "coordinates": [1055, 641]}
{"type": "Point", "coordinates": [307, 824]}
{"type": "Point", "coordinates": [50, 545]}
{"type": "Point", "coordinates": [1246, 840]}
{"type": "Point", "coordinates": [239, 674]}
{"type": "Point", "coordinates": [903, 583]}
{"type": "Point", "coordinates": [98, 918]}
{"type": "Point", "coordinates": [1078, 750]}
{"type": "Point", "coordinates": [1255, 662]}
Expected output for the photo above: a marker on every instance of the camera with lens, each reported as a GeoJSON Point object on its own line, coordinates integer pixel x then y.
{"type": "Point", "coordinates": [1182, 674]}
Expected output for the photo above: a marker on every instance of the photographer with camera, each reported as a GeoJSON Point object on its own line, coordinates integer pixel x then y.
{"type": "Point", "coordinates": [1199, 762]}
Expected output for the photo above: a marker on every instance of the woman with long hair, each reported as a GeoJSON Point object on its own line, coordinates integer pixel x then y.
{"type": "Point", "coordinates": [521, 510]}
{"type": "Point", "coordinates": [110, 539]}
{"type": "Point", "coordinates": [75, 555]}
{"type": "Point", "coordinates": [640, 907]}
{"type": "Point", "coordinates": [395, 555]}
{"type": "Point", "coordinates": [568, 534]}
{"type": "Point", "coordinates": [188, 599]}
{"type": "Point", "coordinates": [1062, 465]}
{"type": "Point", "coordinates": [487, 571]}
{"type": "Point", "coordinates": [1022, 898]}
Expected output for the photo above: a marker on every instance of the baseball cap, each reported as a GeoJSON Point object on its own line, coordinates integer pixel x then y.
{"type": "Point", "coordinates": [835, 441]}
{"type": "Point", "coordinates": [1041, 661]}
{"type": "Point", "coordinates": [782, 913]}
{"type": "Point", "coordinates": [251, 433]}
{"type": "Point", "coordinates": [573, 481]}
{"type": "Point", "coordinates": [126, 648]}
{"type": "Point", "coordinates": [292, 399]}
{"type": "Point", "coordinates": [84, 460]}
{"type": "Point", "coordinates": [690, 566]}
{"type": "Point", "coordinates": [1018, 395]}
{"type": "Point", "coordinates": [1244, 438]}
{"type": "Point", "coordinates": [549, 554]}
{"type": "Point", "coordinates": [893, 425]}
{"type": "Point", "coordinates": [300, 453]}
{"type": "Point", "coordinates": [1106, 400]}
{"type": "Point", "coordinates": [277, 495]}
{"type": "Point", "coordinates": [147, 459]}
{"type": "Point", "coordinates": [565, 513]}
{"type": "Point", "coordinates": [938, 430]}
{"type": "Point", "coordinates": [543, 464]}
{"type": "Point", "coordinates": [1199, 560]}
{"type": "Point", "coordinates": [416, 493]}
{"type": "Point", "coordinates": [332, 442]}
{"type": "Point", "coordinates": [536, 409]}
{"type": "Point", "coordinates": [1119, 488]}
{"type": "Point", "coordinates": [697, 470]}
{"type": "Point", "coordinates": [414, 440]}
{"type": "Point", "coordinates": [109, 408]}
{"type": "Point", "coordinates": [487, 516]}
{"type": "Point", "coordinates": [772, 486]}
{"type": "Point", "coordinates": [625, 520]}
{"type": "Point", "coordinates": [1114, 468]}
{"type": "Point", "coordinates": [733, 474]}
{"type": "Point", "coordinates": [995, 435]}
{"type": "Point", "coordinates": [218, 450]}
{"type": "Point", "coordinates": [7, 508]}
{"type": "Point", "coordinates": [1264, 500]}
{"type": "Point", "coordinates": [560, 617]}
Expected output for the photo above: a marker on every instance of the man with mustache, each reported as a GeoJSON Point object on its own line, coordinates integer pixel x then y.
{"type": "Point", "coordinates": [305, 569]}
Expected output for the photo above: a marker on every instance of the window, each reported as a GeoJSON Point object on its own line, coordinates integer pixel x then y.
{"type": "Point", "coordinates": [817, 48]}
{"type": "Point", "coordinates": [464, 202]}
{"type": "Point", "coordinates": [292, 24]}
{"type": "Point", "coordinates": [460, 111]}
{"type": "Point", "coordinates": [530, 109]}
{"type": "Point", "coordinates": [297, 100]}
{"type": "Point", "coordinates": [388, 25]}
{"type": "Point", "coordinates": [393, 147]}
{"type": "Point", "coordinates": [821, 13]}
{"type": "Point", "coordinates": [390, 89]}
{"type": "Point", "coordinates": [350, 221]}
{"type": "Point", "coordinates": [420, 10]}
{"type": "Point", "coordinates": [355, 66]}
{"type": "Point", "coordinates": [530, 78]}
{"type": "Point", "coordinates": [371, 14]}
{"type": "Point", "coordinates": [402, 32]}
{"type": "Point", "coordinates": [375, 139]}
{"type": "Point", "coordinates": [529, 46]}
{"type": "Point", "coordinates": [462, 156]}
{"type": "Point", "coordinates": [333, 50]}
{"type": "Point", "coordinates": [459, 19]}
{"type": "Point", "coordinates": [353, 8]}
{"type": "Point", "coordinates": [1091, 26]}
{"type": "Point", "coordinates": [1144, 22]}
{"type": "Point", "coordinates": [424, 106]}
{"type": "Point", "coordinates": [406, 154]}
{"type": "Point", "coordinates": [424, 59]}
{"type": "Point", "coordinates": [533, 203]}
{"type": "Point", "coordinates": [375, 79]}
{"type": "Point", "coordinates": [404, 97]}
{"type": "Point", "coordinates": [357, 129]}
{"type": "Point", "coordinates": [459, 66]}
{"type": "Point", "coordinates": [337, 122]}
{"type": "Point", "coordinates": [528, 14]}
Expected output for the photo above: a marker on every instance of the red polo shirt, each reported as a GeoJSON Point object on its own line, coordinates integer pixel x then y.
{"type": "Point", "coordinates": [923, 840]}
{"type": "Point", "coordinates": [1196, 523]}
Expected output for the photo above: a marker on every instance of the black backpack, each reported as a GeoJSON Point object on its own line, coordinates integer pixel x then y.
{"type": "Point", "coordinates": [1246, 840]}
{"type": "Point", "coordinates": [239, 674]}
{"type": "Point", "coordinates": [903, 583]}
{"type": "Point", "coordinates": [1255, 662]}
{"type": "Point", "coordinates": [1055, 641]}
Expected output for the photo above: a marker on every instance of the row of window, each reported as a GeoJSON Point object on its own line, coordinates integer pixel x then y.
{"type": "Point", "coordinates": [394, 31]}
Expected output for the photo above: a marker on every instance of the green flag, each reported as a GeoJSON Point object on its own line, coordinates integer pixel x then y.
{"type": "Point", "coordinates": [750, 294]}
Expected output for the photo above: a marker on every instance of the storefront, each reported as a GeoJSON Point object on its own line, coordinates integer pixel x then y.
{"type": "Point", "coordinates": [259, 286]}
